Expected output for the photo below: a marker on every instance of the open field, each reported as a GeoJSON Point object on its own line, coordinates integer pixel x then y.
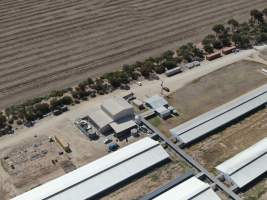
{"type": "Point", "coordinates": [47, 44]}
{"type": "Point", "coordinates": [212, 90]}
{"type": "Point", "coordinates": [151, 181]}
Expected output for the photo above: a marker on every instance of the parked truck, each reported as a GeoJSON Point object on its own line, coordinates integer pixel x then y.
{"type": "Point", "coordinates": [213, 56]}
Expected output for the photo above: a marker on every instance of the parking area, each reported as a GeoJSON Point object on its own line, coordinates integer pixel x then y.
{"type": "Point", "coordinates": [110, 140]}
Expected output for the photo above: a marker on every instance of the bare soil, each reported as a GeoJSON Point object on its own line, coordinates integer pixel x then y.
{"type": "Point", "coordinates": [46, 45]}
{"type": "Point", "coordinates": [263, 54]}
{"type": "Point", "coordinates": [31, 155]}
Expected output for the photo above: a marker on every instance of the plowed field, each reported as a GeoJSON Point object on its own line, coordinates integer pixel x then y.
{"type": "Point", "coordinates": [52, 44]}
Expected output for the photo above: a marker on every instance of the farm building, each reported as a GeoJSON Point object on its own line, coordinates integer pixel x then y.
{"type": "Point", "coordinates": [220, 116]}
{"type": "Point", "coordinates": [246, 166]}
{"type": "Point", "coordinates": [101, 175]}
{"type": "Point", "coordinates": [159, 105]}
{"type": "Point", "coordinates": [185, 187]}
{"type": "Point", "coordinates": [115, 114]}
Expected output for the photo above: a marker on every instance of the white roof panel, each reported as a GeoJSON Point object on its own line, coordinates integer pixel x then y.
{"type": "Point", "coordinates": [156, 101]}
{"type": "Point", "coordinates": [100, 118]}
{"type": "Point", "coordinates": [162, 110]}
{"type": "Point", "coordinates": [247, 165]}
{"type": "Point", "coordinates": [116, 105]}
{"type": "Point", "coordinates": [244, 157]}
{"type": "Point", "coordinates": [192, 188]}
{"type": "Point", "coordinates": [97, 176]}
{"type": "Point", "coordinates": [250, 172]}
{"type": "Point", "coordinates": [119, 127]}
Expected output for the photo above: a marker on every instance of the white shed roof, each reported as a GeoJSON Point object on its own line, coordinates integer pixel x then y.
{"type": "Point", "coordinates": [119, 127]}
{"type": "Point", "coordinates": [193, 189]}
{"type": "Point", "coordinates": [102, 174]}
{"type": "Point", "coordinates": [116, 105]}
{"type": "Point", "coordinates": [209, 121]}
{"type": "Point", "coordinates": [162, 110]}
{"type": "Point", "coordinates": [100, 118]}
{"type": "Point", "coordinates": [156, 101]}
{"type": "Point", "coordinates": [247, 165]}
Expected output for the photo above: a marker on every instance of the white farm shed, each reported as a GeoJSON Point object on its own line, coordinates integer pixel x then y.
{"type": "Point", "coordinates": [101, 175]}
{"type": "Point", "coordinates": [117, 108]}
{"type": "Point", "coordinates": [246, 166]}
{"type": "Point", "coordinates": [114, 114]}
{"type": "Point", "coordinates": [193, 189]}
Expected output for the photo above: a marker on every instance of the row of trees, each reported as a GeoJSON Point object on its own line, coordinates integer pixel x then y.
{"type": "Point", "coordinates": [243, 35]}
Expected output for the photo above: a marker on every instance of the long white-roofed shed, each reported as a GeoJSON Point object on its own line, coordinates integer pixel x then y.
{"type": "Point", "coordinates": [96, 177]}
{"type": "Point", "coordinates": [246, 166]}
{"type": "Point", "coordinates": [193, 189]}
{"type": "Point", "coordinates": [220, 116]}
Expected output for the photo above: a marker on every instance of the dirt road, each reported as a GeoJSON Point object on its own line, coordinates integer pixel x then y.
{"type": "Point", "coordinates": [47, 44]}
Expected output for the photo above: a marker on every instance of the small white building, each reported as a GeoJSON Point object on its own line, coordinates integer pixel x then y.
{"type": "Point", "coordinates": [159, 105]}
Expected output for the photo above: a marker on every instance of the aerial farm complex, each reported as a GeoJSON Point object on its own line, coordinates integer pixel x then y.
{"type": "Point", "coordinates": [133, 100]}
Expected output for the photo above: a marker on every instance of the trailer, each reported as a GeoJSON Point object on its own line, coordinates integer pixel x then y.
{"type": "Point", "coordinates": [213, 56]}
{"type": "Point", "coordinates": [173, 71]}
{"type": "Point", "coordinates": [228, 50]}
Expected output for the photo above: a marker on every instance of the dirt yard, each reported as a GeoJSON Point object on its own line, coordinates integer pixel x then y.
{"type": "Point", "coordinates": [151, 181]}
{"type": "Point", "coordinates": [27, 162]}
{"type": "Point", "coordinates": [212, 90]}
{"type": "Point", "coordinates": [263, 54]}
{"type": "Point", "coordinates": [26, 159]}
{"type": "Point", "coordinates": [46, 44]}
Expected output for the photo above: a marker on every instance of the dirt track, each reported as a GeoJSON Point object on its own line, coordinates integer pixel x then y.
{"type": "Point", "coordinates": [51, 44]}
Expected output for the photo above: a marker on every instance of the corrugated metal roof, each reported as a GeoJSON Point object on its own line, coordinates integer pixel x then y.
{"type": "Point", "coordinates": [115, 105]}
{"type": "Point", "coordinates": [156, 101]}
{"type": "Point", "coordinates": [247, 165]}
{"type": "Point", "coordinates": [168, 186]}
{"type": "Point", "coordinates": [100, 175]}
{"type": "Point", "coordinates": [162, 110]}
{"type": "Point", "coordinates": [220, 116]}
{"type": "Point", "coordinates": [119, 127]}
{"type": "Point", "coordinates": [100, 118]}
{"type": "Point", "coordinates": [192, 188]}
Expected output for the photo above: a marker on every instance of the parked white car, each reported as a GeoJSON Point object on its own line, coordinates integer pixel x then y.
{"type": "Point", "coordinates": [139, 83]}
